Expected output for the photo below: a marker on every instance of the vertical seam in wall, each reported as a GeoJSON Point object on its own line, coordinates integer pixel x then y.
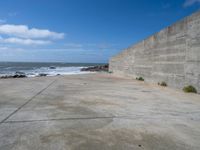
{"type": "Point", "coordinates": [186, 51]}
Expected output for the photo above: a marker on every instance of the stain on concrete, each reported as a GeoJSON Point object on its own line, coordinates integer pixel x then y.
{"type": "Point", "coordinates": [116, 140]}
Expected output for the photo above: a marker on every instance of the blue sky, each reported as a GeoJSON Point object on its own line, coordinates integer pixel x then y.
{"type": "Point", "coordinates": [81, 30]}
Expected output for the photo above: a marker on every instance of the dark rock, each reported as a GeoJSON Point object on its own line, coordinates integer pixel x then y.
{"type": "Point", "coordinates": [42, 75]}
{"type": "Point", "coordinates": [13, 76]}
{"type": "Point", "coordinates": [96, 68]}
{"type": "Point", "coordinates": [19, 76]}
{"type": "Point", "coordinates": [6, 77]}
{"type": "Point", "coordinates": [52, 67]}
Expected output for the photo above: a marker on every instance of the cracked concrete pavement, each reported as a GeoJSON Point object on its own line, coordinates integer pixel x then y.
{"type": "Point", "coordinates": [96, 111]}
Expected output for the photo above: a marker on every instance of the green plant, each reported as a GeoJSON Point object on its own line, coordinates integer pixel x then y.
{"type": "Point", "coordinates": [190, 89]}
{"type": "Point", "coordinates": [162, 83]}
{"type": "Point", "coordinates": [110, 72]}
{"type": "Point", "coordinates": [140, 79]}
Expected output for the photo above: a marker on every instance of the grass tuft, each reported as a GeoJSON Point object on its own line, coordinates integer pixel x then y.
{"type": "Point", "coordinates": [140, 79]}
{"type": "Point", "coordinates": [162, 83]}
{"type": "Point", "coordinates": [189, 89]}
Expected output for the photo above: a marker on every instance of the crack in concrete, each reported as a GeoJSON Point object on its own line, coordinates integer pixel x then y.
{"type": "Point", "coordinates": [19, 108]}
{"type": "Point", "coordinates": [63, 119]}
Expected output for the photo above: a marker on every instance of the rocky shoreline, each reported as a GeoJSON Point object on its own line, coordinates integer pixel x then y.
{"type": "Point", "coordinates": [21, 75]}
{"type": "Point", "coordinates": [16, 75]}
{"type": "Point", "coordinates": [97, 68]}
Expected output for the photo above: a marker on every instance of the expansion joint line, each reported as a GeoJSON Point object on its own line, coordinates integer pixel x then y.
{"type": "Point", "coordinates": [73, 119]}
{"type": "Point", "coordinates": [27, 102]}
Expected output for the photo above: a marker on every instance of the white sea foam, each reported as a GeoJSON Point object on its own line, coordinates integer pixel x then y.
{"type": "Point", "coordinates": [48, 71]}
{"type": "Point", "coordinates": [54, 72]}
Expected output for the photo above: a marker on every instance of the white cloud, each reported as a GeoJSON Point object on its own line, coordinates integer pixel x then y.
{"type": "Point", "coordinates": [3, 48]}
{"type": "Point", "coordinates": [90, 46]}
{"type": "Point", "coordinates": [23, 31]}
{"type": "Point", "coordinates": [23, 41]}
{"type": "Point", "coordinates": [190, 2]}
{"type": "Point", "coordinates": [23, 35]}
{"type": "Point", "coordinates": [2, 21]}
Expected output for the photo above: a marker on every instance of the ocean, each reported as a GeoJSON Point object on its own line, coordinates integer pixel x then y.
{"type": "Point", "coordinates": [32, 69]}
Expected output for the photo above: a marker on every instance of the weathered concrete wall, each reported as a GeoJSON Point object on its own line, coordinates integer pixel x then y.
{"type": "Point", "coordinates": [171, 55]}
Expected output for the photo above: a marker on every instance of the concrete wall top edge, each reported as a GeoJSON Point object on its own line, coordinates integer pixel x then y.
{"type": "Point", "coordinates": [180, 24]}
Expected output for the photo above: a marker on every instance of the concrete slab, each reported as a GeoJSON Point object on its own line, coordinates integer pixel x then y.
{"type": "Point", "coordinates": [96, 111]}
{"type": "Point", "coordinates": [14, 93]}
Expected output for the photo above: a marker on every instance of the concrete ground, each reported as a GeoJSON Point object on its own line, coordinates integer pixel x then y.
{"type": "Point", "coordinates": [96, 112]}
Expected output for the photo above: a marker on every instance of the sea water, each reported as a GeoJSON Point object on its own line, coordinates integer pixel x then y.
{"type": "Point", "coordinates": [32, 69]}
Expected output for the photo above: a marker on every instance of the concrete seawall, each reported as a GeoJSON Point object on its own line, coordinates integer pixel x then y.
{"type": "Point", "coordinates": [171, 55]}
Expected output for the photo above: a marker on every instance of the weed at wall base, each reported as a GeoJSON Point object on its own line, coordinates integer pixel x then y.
{"type": "Point", "coordinates": [189, 89]}
{"type": "Point", "coordinates": [140, 79]}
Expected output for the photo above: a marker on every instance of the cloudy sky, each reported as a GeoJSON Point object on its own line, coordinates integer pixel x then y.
{"type": "Point", "coordinates": [81, 30]}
